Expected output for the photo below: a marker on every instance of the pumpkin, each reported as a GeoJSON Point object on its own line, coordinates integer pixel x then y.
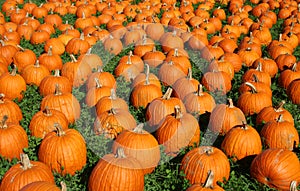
{"type": "Point", "coordinates": [141, 78]}
{"type": "Point", "coordinates": [128, 169]}
{"type": "Point", "coordinates": [113, 45]}
{"type": "Point", "coordinates": [178, 131]}
{"type": "Point", "coordinates": [143, 146]}
{"type": "Point", "coordinates": [288, 75]}
{"type": "Point", "coordinates": [144, 94]}
{"type": "Point", "coordinates": [43, 185]}
{"type": "Point", "coordinates": [48, 83]}
{"type": "Point", "coordinates": [207, 186]}
{"type": "Point", "coordinates": [260, 75]}
{"type": "Point", "coordinates": [154, 58]}
{"type": "Point", "coordinates": [51, 61]}
{"type": "Point", "coordinates": [241, 142]}
{"type": "Point", "coordinates": [280, 134]}
{"type": "Point", "coordinates": [94, 94]}
{"type": "Point", "coordinates": [199, 101]}
{"type": "Point", "coordinates": [67, 103]}
{"type": "Point", "coordinates": [106, 103]}
{"type": "Point", "coordinates": [25, 172]}
{"type": "Point", "coordinates": [293, 91]}
{"type": "Point", "coordinates": [260, 86]}
{"type": "Point", "coordinates": [57, 46]}
{"type": "Point", "coordinates": [197, 162]}
{"type": "Point", "coordinates": [13, 139]}
{"type": "Point", "coordinates": [267, 65]}
{"type": "Point", "coordinates": [10, 109]}
{"type": "Point", "coordinates": [23, 58]}
{"type": "Point", "coordinates": [39, 37]}
{"type": "Point", "coordinates": [272, 113]}
{"type": "Point", "coordinates": [111, 123]}
{"type": "Point", "coordinates": [159, 108]}
{"type": "Point", "coordinates": [169, 72]}
{"type": "Point", "coordinates": [170, 41]}
{"type": "Point", "coordinates": [64, 151]}
{"type": "Point", "coordinates": [77, 45]}
{"type": "Point", "coordinates": [76, 71]}
{"type": "Point", "coordinates": [34, 74]}
{"type": "Point", "coordinates": [43, 122]}
{"type": "Point", "coordinates": [181, 60]}
{"type": "Point", "coordinates": [235, 59]}
{"type": "Point", "coordinates": [106, 79]}
{"type": "Point", "coordinates": [276, 168]}
{"type": "Point", "coordinates": [253, 102]}
{"type": "Point", "coordinates": [93, 60]}
{"type": "Point", "coordinates": [224, 117]}
{"type": "Point", "coordinates": [216, 81]}
{"type": "Point", "coordinates": [12, 85]}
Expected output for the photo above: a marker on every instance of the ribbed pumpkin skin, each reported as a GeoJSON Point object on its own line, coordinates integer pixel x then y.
{"type": "Point", "coordinates": [142, 145]}
{"type": "Point", "coordinates": [242, 141]}
{"type": "Point", "coordinates": [128, 171]}
{"type": "Point", "coordinates": [280, 134]}
{"type": "Point", "coordinates": [13, 140]}
{"type": "Point", "coordinates": [197, 162]}
{"type": "Point", "coordinates": [63, 153]}
{"type": "Point", "coordinates": [40, 186]}
{"type": "Point", "coordinates": [177, 132]}
{"type": "Point", "coordinates": [67, 103]}
{"type": "Point", "coordinates": [43, 122]}
{"type": "Point", "coordinates": [276, 168]}
{"type": "Point", "coordinates": [224, 117]}
{"type": "Point", "coordinates": [293, 91]}
{"type": "Point", "coordinates": [16, 177]}
{"type": "Point", "coordinates": [11, 109]}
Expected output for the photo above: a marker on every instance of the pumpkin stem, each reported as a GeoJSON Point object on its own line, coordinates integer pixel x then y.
{"type": "Point", "coordinates": [200, 90]}
{"type": "Point", "coordinates": [113, 94]}
{"type": "Point", "coordinates": [293, 186]}
{"type": "Point", "coordinates": [63, 186]}
{"type": "Point", "coordinates": [190, 74]}
{"type": "Point", "coordinates": [120, 153]}
{"type": "Point", "coordinates": [208, 150]}
{"type": "Point", "coordinates": [56, 73]}
{"type": "Point", "coordinates": [2, 98]}
{"type": "Point", "coordinates": [14, 70]}
{"type": "Point", "coordinates": [209, 182]}
{"type": "Point", "coordinates": [259, 66]}
{"type": "Point", "coordinates": [176, 52]}
{"type": "Point", "coordinates": [139, 129]}
{"type": "Point", "coordinates": [82, 36]}
{"type": "Point", "coordinates": [245, 125]}
{"type": "Point", "coordinates": [37, 64]}
{"type": "Point", "coordinates": [279, 108]}
{"type": "Point", "coordinates": [129, 59]}
{"type": "Point", "coordinates": [73, 58]}
{"type": "Point", "coordinates": [50, 51]}
{"type": "Point", "coordinates": [177, 114]}
{"type": "Point", "coordinates": [255, 78]}
{"type": "Point", "coordinates": [89, 51]}
{"type": "Point", "coordinates": [20, 47]}
{"type": "Point", "coordinates": [230, 103]}
{"type": "Point", "coordinates": [98, 83]}
{"type": "Point", "coordinates": [25, 162]}
{"type": "Point", "coordinates": [47, 111]}
{"type": "Point", "coordinates": [3, 124]}
{"type": "Point", "coordinates": [280, 37]}
{"type": "Point", "coordinates": [113, 111]}
{"type": "Point", "coordinates": [168, 93]}
{"type": "Point", "coordinates": [59, 130]}
{"type": "Point", "coordinates": [57, 90]}
{"type": "Point", "coordinates": [147, 82]}
{"type": "Point", "coordinates": [253, 88]}
{"type": "Point", "coordinates": [280, 118]}
{"type": "Point", "coordinates": [294, 67]}
{"type": "Point", "coordinates": [83, 15]}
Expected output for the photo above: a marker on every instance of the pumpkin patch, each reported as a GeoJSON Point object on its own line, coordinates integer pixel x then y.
{"type": "Point", "coordinates": [149, 95]}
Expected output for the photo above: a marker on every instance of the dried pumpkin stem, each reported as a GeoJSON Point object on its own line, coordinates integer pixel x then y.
{"type": "Point", "coordinates": [25, 162]}
{"type": "Point", "coordinates": [259, 66]}
{"type": "Point", "coordinates": [14, 71]}
{"type": "Point", "coordinates": [209, 150]}
{"type": "Point", "coordinates": [98, 83]}
{"type": "Point", "coordinates": [73, 58]}
{"type": "Point", "coordinates": [113, 111]}
{"type": "Point", "coordinates": [120, 153]}
{"type": "Point", "coordinates": [294, 67]}
{"type": "Point", "coordinates": [56, 73]}
{"type": "Point", "coordinates": [293, 186]}
{"type": "Point", "coordinates": [37, 64]}
{"type": "Point", "coordinates": [2, 96]}
{"type": "Point", "coordinates": [279, 108]}
{"type": "Point", "coordinates": [59, 130]}
{"type": "Point", "coordinates": [209, 182]}
{"type": "Point", "coordinates": [200, 90]}
{"type": "Point", "coordinates": [3, 124]}
{"type": "Point", "coordinates": [113, 94]}
{"type": "Point", "coordinates": [99, 69]}
{"type": "Point", "coordinates": [57, 90]}
{"type": "Point", "coordinates": [245, 125]}
{"type": "Point", "coordinates": [230, 103]}
{"type": "Point", "coordinates": [280, 118]}
{"type": "Point", "coordinates": [47, 111]}
{"type": "Point", "coordinates": [255, 78]}
{"type": "Point", "coordinates": [177, 113]}
{"type": "Point", "coordinates": [89, 52]}
{"type": "Point", "coordinates": [253, 88]}
{"type": "Point", "coordinates": [190, 74]}
{"type": "Point", "coordinates": [20, 47]}
{"type": "Point", "coordinates": [168, 93]}
{"type": "Point", "coordinates": [63, 186]}
{"type": "Point", "coordinates": [139, 128]}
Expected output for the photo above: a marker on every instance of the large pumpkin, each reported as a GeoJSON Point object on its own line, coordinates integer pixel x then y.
{"type": "Point", "coordinates": [197, 162]}
{"type": "Point", "coordinates": [127, 169]}
{"type": "Point", "coordinates": [25, 173]}
{"type": "Point", "coordinates": [64, 151]}
{"type": "Point", "coordinates": [276, 167]}
{"type": "Point", "coordinates": [143, 146]}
